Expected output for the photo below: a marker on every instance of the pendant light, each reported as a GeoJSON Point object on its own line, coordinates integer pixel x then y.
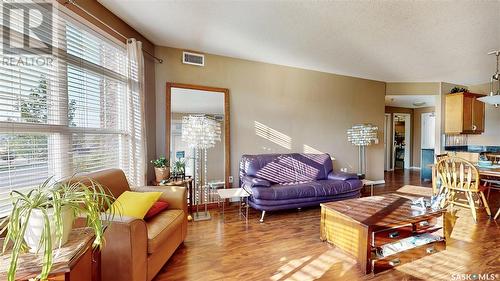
{"type": "Point", "coordinates": [494, 97]}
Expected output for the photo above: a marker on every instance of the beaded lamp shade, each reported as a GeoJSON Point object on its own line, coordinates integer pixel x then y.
{"type": "Point", "coordinates": [200, 131]}
{"type": "Point", "coordinates": [362, 134]}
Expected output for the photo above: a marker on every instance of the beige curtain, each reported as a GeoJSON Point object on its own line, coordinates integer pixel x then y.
{"type": "Point", "coordinates": [136, 114]}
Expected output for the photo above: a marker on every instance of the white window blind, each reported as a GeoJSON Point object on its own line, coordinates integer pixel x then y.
{"type": "Point", "coordinates": [69, 116]}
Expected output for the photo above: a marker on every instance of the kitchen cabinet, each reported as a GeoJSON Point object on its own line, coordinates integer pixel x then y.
{"type": "Point", "coordinates": [464, 114]}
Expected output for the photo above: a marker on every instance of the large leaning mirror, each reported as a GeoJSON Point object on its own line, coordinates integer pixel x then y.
{"type": "Point", "coordinates": [198, 139]}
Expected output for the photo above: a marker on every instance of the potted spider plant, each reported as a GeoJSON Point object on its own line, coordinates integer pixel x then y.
{"type": "Point", "coordinates": [162, 169]}
{"type": "Point", "coordinates": [41, 220]}
{"type": "Point", "coordinates": [179, 167]}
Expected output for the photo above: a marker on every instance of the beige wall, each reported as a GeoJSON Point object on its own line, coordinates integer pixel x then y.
{"type": "Point", "coordinates": [296, 109]}
{"type": "Point", "coordinates": [412, 88]}
{"type": "Point", "coordinates": [103, 14]}
{"type": "Point", "coordinates": [491, 135]}
{"type": "Point", "coordinates": [417, 133]}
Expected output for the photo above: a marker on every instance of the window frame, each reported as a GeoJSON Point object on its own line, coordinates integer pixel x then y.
{"type": "Point", "coordinates": [60, 134]}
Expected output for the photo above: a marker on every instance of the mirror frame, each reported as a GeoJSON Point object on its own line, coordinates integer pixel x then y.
{"type": "Point", "coordinates": [227, 133]}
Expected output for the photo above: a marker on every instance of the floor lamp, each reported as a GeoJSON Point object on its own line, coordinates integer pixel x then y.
{"type": "Point", "coordinates": [200, 132]}
{"type": "Point", "coordinates": [362, 135]}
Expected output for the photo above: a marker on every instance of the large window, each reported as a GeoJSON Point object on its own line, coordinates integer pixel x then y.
{"type": "Point", "coordinates": [67, 116]}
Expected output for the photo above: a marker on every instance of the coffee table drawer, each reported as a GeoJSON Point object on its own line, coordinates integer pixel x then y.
{"type": "Point", "coordinates": [391, 235]}
{"type": "Point", "coordinates": [410, 255]}
{"type": "Point", "coordinates": [425, 224]}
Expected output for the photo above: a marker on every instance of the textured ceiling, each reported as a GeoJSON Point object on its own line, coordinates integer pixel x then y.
{"type": "Point", "coordinates": [417, 41]}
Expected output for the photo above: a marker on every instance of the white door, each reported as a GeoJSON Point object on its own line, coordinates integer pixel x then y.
{"type": "Point", "coordinates": [407, 138]}
{"type": "Point", "coordinates": [428, 129]}
{"type": "Point", "coordinates": [407, 141]}
{"type": "Point", "coordinates": [387, 143]}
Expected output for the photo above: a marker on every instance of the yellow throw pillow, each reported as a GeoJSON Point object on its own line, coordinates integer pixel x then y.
{"type": "Point", "coordinates": [134, 204]}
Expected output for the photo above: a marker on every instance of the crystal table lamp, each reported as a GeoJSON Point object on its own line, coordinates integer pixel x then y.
{"type": "Point", "coordinates": [362, 135]}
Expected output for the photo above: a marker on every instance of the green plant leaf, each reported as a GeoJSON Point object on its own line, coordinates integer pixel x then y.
{"type": "Point", "coordinates": [52, 199]}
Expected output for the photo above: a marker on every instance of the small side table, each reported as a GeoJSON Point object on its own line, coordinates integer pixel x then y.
{"type": "Point", "coordinates": [369, 183]}
{"type": "Point", "coordinates": [77, 260]}
{"type": "Point", "coordinates": [213, 186]}
{"type": "Point", "coordinates": [188, 183]}
{"type": "Point", "coordinates": [239, 193]}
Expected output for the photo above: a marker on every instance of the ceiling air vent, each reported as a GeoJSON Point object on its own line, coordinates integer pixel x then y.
{"type": "Point", "coordinates": [193, 58]}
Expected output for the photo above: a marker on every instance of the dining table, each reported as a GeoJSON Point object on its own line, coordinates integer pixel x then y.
{"type": "Point", "coordinates": [489, 171]}
{"type": "Point", "coordinates": [491, 175]}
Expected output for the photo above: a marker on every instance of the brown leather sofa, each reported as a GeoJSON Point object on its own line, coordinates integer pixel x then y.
{"type": "Point", "coordinates": [135, 250]}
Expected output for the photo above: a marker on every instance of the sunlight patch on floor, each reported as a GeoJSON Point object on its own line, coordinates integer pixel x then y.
{"type": "Point", "coordinates": [307, 269]}
{"type": "Point", "coordinates": [438, 266]}
{"type": "Point", "coordinates": [289, 267]}
{"type": "Point", "coordinates": [461, 226]}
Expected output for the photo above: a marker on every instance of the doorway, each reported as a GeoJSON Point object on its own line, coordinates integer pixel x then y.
{"type": "Point", "coordinates": [387, 143]}
{"type": "Point", "coordinates": [401, 128]}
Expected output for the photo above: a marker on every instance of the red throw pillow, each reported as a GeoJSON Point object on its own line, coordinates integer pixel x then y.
{"type": "Point", "coordinates": [157, 207]}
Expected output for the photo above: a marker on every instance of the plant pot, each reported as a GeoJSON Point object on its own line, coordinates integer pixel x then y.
{"type": "Point", "coordinates": [162, 173]}
{"type": "Point", "coordinates": [34, 229]}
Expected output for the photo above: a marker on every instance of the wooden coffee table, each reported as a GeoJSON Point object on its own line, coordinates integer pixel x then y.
{"type": "Point", "coordinates": [370, 228]}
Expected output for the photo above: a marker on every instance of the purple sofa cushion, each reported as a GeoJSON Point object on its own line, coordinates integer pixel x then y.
{"type": "Point", "coordinates": [337, 175]}
{"type": "Point", "coordinates": [320, 188]}
{"type": "Point", "coordinates": [285, 204]}
{"type": "Point", "coordinates": [287, 168]}
{"type": "Point", "coordinates": [249, 181]}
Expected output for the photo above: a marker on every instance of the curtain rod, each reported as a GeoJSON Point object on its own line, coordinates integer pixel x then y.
{"type": "Point", "coordinates": [73, 2]}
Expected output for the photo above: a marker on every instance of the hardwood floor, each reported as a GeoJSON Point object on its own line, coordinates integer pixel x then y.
{"type": "Point", "coordinates": [287, 247]}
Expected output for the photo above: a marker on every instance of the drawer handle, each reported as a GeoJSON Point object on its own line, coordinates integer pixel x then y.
{"type": "Point", "coordinates": [430, 250]}
{"type": "Point", "coordinates": [394, 262]}
{"type": "Point", "coordinates": [394, 234]}
{"type": "Point", "coordinates": [424, 223]}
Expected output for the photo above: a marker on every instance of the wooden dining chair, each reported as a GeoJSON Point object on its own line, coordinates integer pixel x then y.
{"type": "Point", "coordinates": [494, 158]}
{"type": "Point", "coordinates": [459, 176]}
{"type": "Point", "coordinates": [493, 183]}
{"type": "Point", "coordinates": [441, 156]}
{"type": "Point", "coordinates": [435, 177]}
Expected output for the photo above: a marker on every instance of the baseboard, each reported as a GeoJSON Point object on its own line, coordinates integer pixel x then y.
{"type": "Point", "coordinates": [415, 168]}
{"type": "Point", "coordinates": [378, 182]}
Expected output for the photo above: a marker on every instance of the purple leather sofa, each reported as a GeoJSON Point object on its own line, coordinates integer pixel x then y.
{"type": "Point", "coordinates": [295, 180]}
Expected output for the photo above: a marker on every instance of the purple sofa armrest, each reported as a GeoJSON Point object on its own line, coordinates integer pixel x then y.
{"type": "Point", "coordinates": [337, 175]}
{"type": "Point", "coordinates": [255, 182]}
